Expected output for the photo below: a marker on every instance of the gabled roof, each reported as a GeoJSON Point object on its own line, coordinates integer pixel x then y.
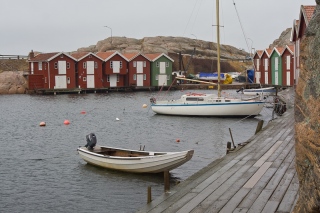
{"type": "Point", "coordinates": [290, 48]}
{"type": "Point", "coordinates": [268, 51]}
{"type": "Point", "coordinates": [155, 56]}
{"type": "Point", "coordinates": [50, 56]}
{"type": "Point", "coordinates": [131, 56]}
{"type": "Point", "coordinates": [279, 50]}
{"type": "Point", "coordinates": [294, 30]}
{"type": "Point", "coordinates": [43, 56]}
{"type": "Point", "coordinates": [81, 55]}
{"type": "Point", "coordinates": [259, 53]}
{"type": "Point", "coordinates": [105, 56]}
{"type": "Point", "coordinates": [306, 12]}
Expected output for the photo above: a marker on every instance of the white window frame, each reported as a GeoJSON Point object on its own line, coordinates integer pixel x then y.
{"type": "Point", "coordinates": [55, 65]}
{"type": "Point", "coordinates": [68, 80]}
{"type": "Point", "coordinates": [144, 77]}
{"type": "Point", "coordinates": [157, 77]}
{"type": "Point", "coordinates": [40, 65]}
{"type": "Point", "coordinates": [168, 77]}
{"type": "Point", "coordinates": [134, 64]}
{"type": "Point", "coordinates": [144, 63]}
{"type": "Point", "coordinates": [167, 64]}
{"type": "Point", "coordinates": [288, 62]}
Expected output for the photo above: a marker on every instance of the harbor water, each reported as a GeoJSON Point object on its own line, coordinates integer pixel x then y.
{"type": "Point", "coordinates": [40, 170]}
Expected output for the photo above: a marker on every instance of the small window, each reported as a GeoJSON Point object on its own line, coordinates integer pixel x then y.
{"type": "Point", "coordinates": [144, 77]}
{"type": "Point", "coordinates": [95, 65]}
{"type": "Point", "coordinates": [40, 65]}
{"type": "Point", "coordinates": [144, 64]}
{"type": "Point", "coordinates": [90, 56]}
{"type": "Point", "coordinates": [117, 78]}
{"type": "Point", "coordinates": [108, 78]}
{"type": "Point", "coordinates": [134, 64]}
{"type": "Point", "coordinates": [168, 77]}
{"type": "Point", "coordinates": [167, 64]}
{"type": "Point", "coordinates": [61, 56]}
{"type": "Point", "coordinates": [68, 65]}
{"type": "Point", "coordinates": [120, 64]}
{"type": "Point", "coordinates": [55, 65]}
{"type": "Point", "coordinates": [157, 64]}
{"type": "Point", "coordinates": [111, 64]}
{"type": "Point", "coordinates": [135, 77]}
{"type": "Point", "coordinates": [84, 79]}
{"type": "Point", "coordinates": [68, 80]}
{"type": "Point", "coordinates": [157, 77]}
{"type": "Point", "coordinates": [84, 65]}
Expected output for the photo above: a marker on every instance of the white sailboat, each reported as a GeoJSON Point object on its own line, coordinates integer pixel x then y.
{"type": "Point", "coordinates": [195, 104]}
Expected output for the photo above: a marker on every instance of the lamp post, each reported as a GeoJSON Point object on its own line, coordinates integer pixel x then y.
{"type": "Point", "coordinates": [250, 47]}
{"type": "Point", "coordinates": [111, 32]}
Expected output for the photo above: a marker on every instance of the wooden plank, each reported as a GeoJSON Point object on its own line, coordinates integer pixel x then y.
{"type": "Point", "coordinates": [240, 210]}
{"type": "Point", "coordinates": [254, 192]}
{"type": "Point", "coordinates": [290, 196]}
{"type": "Point", "coordinates": [215, 201]}
{"type": "Point", "coordinates": [211, 188]}
{"type": "Point", "coordinates": [270, 207]}
{"type": "Point", "coordinates": [257, 176]}
{"type": "Point", "coordinates": [268, 154]}
{"type": "Point", "coordinates": [261, 201]}
{"type": "Point", "coordinates": [231, 204]}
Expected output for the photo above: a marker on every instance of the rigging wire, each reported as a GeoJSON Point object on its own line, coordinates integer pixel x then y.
{"type": "Point", "coordinates": [245, 37]}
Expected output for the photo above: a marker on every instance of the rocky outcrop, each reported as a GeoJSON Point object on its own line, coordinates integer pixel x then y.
{"type": "Point", "coordinates": [283, 40]}
{"type": "Point", "coordinates": [307, 117]}
{"type": "Point", "coordinates": [163, 44]}
{"type": "Point", "coordinates": [13, 82]}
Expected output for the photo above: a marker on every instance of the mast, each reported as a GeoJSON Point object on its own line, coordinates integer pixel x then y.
{"type": "Point", "coordinates": [218, 46]}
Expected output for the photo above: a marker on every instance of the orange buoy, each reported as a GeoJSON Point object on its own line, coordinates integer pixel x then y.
{"type": "Point", "coordinates": [66, 122]}
{"type": "Point", "coordinates": [83, 112]}
{"type": "Point", "coordinates": [42, 123]}
{"type": "Point", "coordinates": [178, 140]}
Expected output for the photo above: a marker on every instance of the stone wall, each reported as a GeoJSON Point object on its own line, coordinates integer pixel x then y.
{"type": "Point", "coordinates": [13, 82]}
{"type": "Point", "coordinates": [307, 117]}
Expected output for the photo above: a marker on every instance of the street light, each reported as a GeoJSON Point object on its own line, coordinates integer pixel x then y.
{"type": "Point", "coordinates": [250, 46]}
{"type": "Point", "coordinates": [111, 32]}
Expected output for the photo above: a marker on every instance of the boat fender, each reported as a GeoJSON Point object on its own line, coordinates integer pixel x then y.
{"type": "Point", "coordinates": [91, 141]}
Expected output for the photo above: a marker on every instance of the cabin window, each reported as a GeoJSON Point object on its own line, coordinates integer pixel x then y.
{"type": "Point", "coordinates": [218, 100]}
{"type": "Point", "coordinates": [134, 64]}
{"type": "Point", "coordinates": [84, 79]}
{"type": "Point", "coordinates": [135, 77]}
{"type": "Point", "coordinates": [157, 64]}
{"type": "Point", "coordinates": [90, 56]}
{"type": "Point", "coordinates": [120, 64]}
{"type": "Point", "coordinates": [168, 77]}
{"type": "Point", "coordinates": [84, 65]}
{"type": "Point", "coordinates": [68, 65]}
{"type": "Point", "coordinates": [194, 99]}
{"type": "Point", "coordinates": [108, 78]}
{"type": "Point", "coordinates": [111, 64]}
{"type": "Point", "coordinates": [227, 101]}
{"type": "Point", "coordinates": [144, 64]}
{"type": "Point", "coordinates": [55, 65]}
{"type": "Point", "coordinates": [68, 80]}
{"type": "Point", "coordinates": [157, 77]}
{"type": "Point", "coordinates": [61, 56]}
{"type": "Point", "coordinates": [167, 64]}
{"type": "Point", "coordinates": [118, 78]}
{"type": "Point", "coordinates": [95, 65]}
{"type": "Point", "coordinates": [144, 77]}
{"type": "Point", "coordinates": [40, 65]}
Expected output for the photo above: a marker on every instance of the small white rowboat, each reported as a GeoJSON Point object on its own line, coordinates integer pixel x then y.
{"type": "Point", "coordinates": [135, 161]}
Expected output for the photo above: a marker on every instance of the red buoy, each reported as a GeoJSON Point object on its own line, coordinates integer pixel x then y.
{"type": "Point", "coordinates": [42, 123]}
{"type": "Point", "coordinates": [66, 122]}
{"type": "Point", "coordinates": [178, 140]}
{"type": "Point", "coordinates": [83, 112]}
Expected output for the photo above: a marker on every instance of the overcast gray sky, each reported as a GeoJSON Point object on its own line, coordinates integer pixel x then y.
{"type": "Point", "coordinates": [66, 25]}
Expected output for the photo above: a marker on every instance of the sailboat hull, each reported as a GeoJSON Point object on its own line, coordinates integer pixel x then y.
{"type": "Point", "coordinates": [217, 110]}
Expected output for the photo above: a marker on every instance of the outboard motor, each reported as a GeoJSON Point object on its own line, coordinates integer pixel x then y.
{"type": "Point", "coordinates": [91, 141]}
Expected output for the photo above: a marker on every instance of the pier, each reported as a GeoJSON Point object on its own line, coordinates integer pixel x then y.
{"type": "Point", "coordinates": [259, 177]}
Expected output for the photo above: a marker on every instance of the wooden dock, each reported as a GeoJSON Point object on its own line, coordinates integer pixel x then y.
{"type": "Point", "coordinates": [260, 177]}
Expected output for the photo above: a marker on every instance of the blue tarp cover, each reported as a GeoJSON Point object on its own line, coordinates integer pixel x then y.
{"type": "Point", "coordinates": [210, 75]}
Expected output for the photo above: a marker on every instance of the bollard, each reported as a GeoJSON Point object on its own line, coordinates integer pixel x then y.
{"type": "Point", "coordinates": [149, 195]}
{"type": "Point", "coordinates": [166, 181]}
{"type": "Point", "coordinates": [228, 146]}
{"type": "Point", "coordinates": [259, 126]}
{"type": "Point", "coordinates": [232, 138]}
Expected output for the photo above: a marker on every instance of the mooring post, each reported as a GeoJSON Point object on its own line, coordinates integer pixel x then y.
{"type": "Point", "coordinates": [149, 195]}
{"type": "Point", "coordinates": [232, 138]}
{"type": "Point", "coordinates": [166, 181]}
{"type": "Point", "coordinates": [259, 126]}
